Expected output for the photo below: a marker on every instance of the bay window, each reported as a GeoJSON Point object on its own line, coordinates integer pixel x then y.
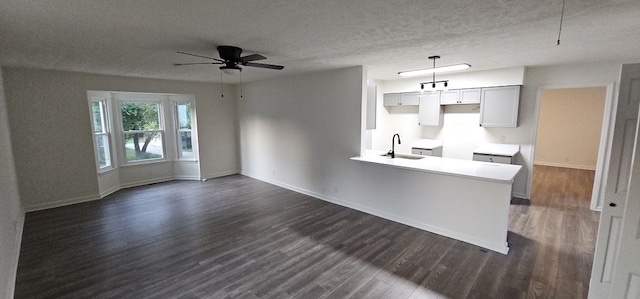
{"type": "Point", "coordinates": [142, 130]}
{"type": "Point", "coordinates": [101, 132]}
{"type": "Point", "coordinates": [183, 131]}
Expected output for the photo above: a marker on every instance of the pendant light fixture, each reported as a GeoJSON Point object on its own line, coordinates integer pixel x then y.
{"type": "Point", "coordinates": [442, 69]}
{"type": "Point", "coordinates": [445, 83]}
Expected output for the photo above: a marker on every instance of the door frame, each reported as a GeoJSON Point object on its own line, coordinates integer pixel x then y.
{"type": "Point", "coordinates": [606, 138]}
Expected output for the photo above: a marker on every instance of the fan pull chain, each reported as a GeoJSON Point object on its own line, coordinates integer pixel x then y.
{"type": "Point", "coordinates": [221, 86]}
{"type": "Point", "coordinates": [561, 18]}
{"type": "Point", "coordinates": [240, 84]}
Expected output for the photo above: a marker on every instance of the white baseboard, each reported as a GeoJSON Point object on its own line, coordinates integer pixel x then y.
{"type": "Point", "coordinates": [187, 178]}
{"type": "Point", "coordinates": [61, 203]}
{"type": "Point", "coordinates": [146, 182]}
{"type": "Point", "coordinates": [71, 201]}
{"type": "Point", "coordinates": [109, 192]}
{"type": "Point", "coordinates": [565, 165]}
{"type": "Point", "coordinates": [502, 248]}
{"type": "Point", "coordinates": [218, 174]}
{"type": "Point", "coordinates": [520, 195]}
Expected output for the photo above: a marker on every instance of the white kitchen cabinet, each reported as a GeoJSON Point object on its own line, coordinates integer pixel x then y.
{"type": "Point", "coordinates": [400, 99]}
{"type": "Point", "coordinates": [391, 99]}
{"type": "Point", "coordinates": [460, 96]}
{"type": "Point", "coordinates": [493, 158]}
{"type": "Point", "coordinates": [430, 113]}
{"type": "Point", "coordinates": [435, 152]}
{"type": "Point", "coordinates": [409, 98]}
{"type": "Point", "coordinates": [449, 97]}
{"type": "Point", "coordinates": [470, 96]}
{"type": "Point", "coordinates": [499, 107]}
{"type": "Point", "coordinates": [497, 153]}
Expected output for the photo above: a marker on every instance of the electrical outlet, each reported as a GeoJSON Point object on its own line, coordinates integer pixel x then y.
{"type": "Point", "coordinates": [335, 190]}
{"type": "Point", "coordinates": [503, 138]}
{"type": "Point", "coordinates": [274, 173]}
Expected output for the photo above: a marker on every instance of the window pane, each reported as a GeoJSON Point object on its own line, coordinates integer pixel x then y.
{"type": "Point", "coordinates": [184, 116]}
{"type": "Point", "coordinates": [140, 116]}
{"type": "Point", "coordinates": [96, 109]}
{"type": "Point", "coordinates": [186, 151]}
{"type": "Point", "coordinates": [104, 156]}
{"type": "Point", "coordinates": [143, 146]}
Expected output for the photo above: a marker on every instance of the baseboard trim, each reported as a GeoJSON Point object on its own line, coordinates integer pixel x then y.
{"type": "Point", "coordinates": [219, 174]}
{"type": "Point", "coordinates": [61, 203]}
{"type": "Point", "coordinates": [147, 182]}
{"type": "Point", "coordinates": [501, 248]}
{"type": "Point", "coordinates": [187, 178]}
{"type": "Point", "coordinates": [67, 202]}
{"type": "Point", "coordinates": [520, 195]}
{"type": "Point", "coordinates": [564, 165]}
{"type": "Point", "coordinates": [110, 191]}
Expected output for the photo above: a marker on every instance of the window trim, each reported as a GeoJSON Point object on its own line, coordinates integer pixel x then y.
{"type": "Point", "coordinates": [106, 131]}
{"type": "Point", "coordinates": [177, 129]}
{"type": "Point", "coordinates": [161, 124]}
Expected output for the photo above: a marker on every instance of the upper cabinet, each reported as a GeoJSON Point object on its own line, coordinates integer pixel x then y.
{"type": "Point", "coordinates": [449, 97]}
{"type": "Point", "coordinates": [400, 99]}
{"type": "Point", "coordinates": [460, 96]}
{"type": "Point", "coordinates": [499, 107]}
{"type": "Point", "coordinates": [430, 113]}
{"type": "Point", "coordinates": [470, 96]}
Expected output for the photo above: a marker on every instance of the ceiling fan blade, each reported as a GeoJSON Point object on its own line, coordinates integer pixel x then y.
{"type": "Point", "coordinates": [252, 57]}
{"type": "Point", "coordinates": [193, 63]}
{"type": "Point", "coordinates": [196, 55]}
{"type": "Point", "coordinates": [264, 66]}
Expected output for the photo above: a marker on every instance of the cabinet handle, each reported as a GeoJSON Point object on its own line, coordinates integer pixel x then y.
{"type": "Point", "coordinates": [613, 204]}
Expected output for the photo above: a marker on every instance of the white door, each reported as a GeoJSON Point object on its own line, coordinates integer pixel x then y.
{"type": "Point", "coordinates": [607, 259]}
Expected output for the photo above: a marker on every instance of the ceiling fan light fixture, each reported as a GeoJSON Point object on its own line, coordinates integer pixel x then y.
{"type": "Point", "coordinates": [441, 69]}
{"type": "Point", "coordinates": [231, 70]}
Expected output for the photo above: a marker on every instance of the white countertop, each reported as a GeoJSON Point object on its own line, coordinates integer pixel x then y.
{"type": "Point", "coordinates": [504, 173]}
{"type": "Point", "coordinates": [427, 143]}
{"type": "Point", "coordinates": [498, 149]}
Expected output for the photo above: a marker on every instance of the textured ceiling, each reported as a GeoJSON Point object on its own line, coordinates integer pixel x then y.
{"type": "Point", "coordinates": [140, 38]}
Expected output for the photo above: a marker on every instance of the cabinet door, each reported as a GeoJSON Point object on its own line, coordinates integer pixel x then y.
{"type": "Point", "coordinates": [470, 96]}
{"type": "Point", "coordinates": [449, 97]}
{"type": "Point", "coordinates": [391, 99]}
{"type": "Point", "coordinates": [492, 158]}
{"type": "Point", "coordinates": [409, 99]}
{"type": "Point", "coordinates": [422, 152]}
{"type": "Point", "coordinates": [499, 107]}
{"type": "Point", "coordinates": [430, 113]}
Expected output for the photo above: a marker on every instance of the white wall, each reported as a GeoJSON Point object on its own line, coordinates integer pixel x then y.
{"type": "Point", "coordinates": [569, 127]}
{"type": "Point", "coordinates": [301, 131]}
{"type": "Point", "coordinates": [11, 213]}
{"type": "Point", "coordinates": [51, 131]}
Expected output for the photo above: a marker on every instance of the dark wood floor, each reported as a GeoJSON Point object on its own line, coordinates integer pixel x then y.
{"type": "Point", "coordinates": [239, 237]}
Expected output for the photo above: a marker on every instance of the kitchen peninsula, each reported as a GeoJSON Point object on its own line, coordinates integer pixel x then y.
{"type": "Point", "coordinates": [461, 199]}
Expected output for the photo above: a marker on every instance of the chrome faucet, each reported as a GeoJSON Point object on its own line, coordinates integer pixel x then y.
{"type": "Point", "coordinates": [392, 152]}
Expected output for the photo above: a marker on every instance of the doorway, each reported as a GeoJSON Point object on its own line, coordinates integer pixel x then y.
{"type": "Point", "coordinates": [571, 133]}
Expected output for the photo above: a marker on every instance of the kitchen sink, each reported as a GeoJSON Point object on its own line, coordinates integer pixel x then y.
{"type": "Point", "coordinates": [405, 156]}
